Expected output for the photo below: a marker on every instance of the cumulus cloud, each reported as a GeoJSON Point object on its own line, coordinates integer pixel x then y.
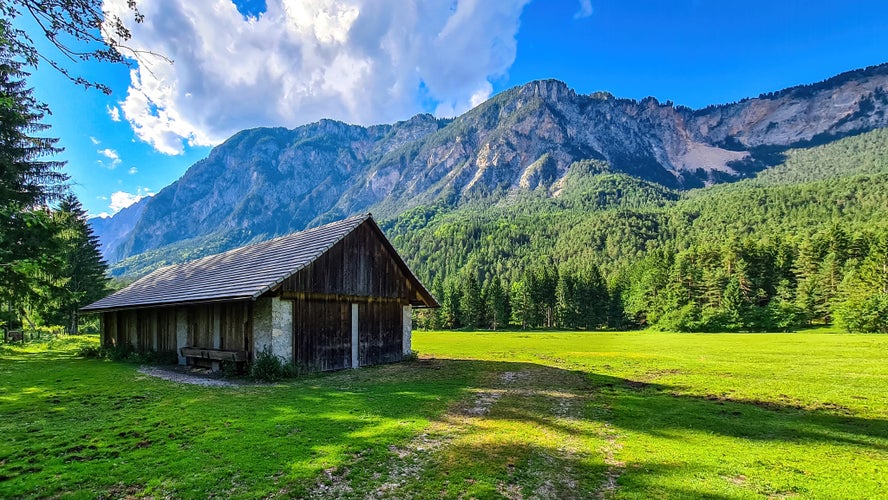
{"type": "Point", "coordinates": [95, 141]}
{"type": "Point", "coordinates": [585, 11]}
{"type": "Point", "coordinates": [360, 61]}
{"type": "Point", "coordinates": [113, 112]}
{"type": "Point", "coordinates": [122, 199]}
{"type": "Point", "coordinates": [133, 170]}
{"type": "Point", "coordinates": [111, 155]}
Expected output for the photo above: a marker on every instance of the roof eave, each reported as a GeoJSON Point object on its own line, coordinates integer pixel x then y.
{"type": "Point", "coordinates": [239, 298]}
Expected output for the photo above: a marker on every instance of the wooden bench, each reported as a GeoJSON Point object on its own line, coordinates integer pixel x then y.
{"type": "Point", "coordinates": [213, 354]}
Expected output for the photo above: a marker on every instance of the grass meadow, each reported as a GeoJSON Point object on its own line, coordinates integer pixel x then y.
{"type": "Point", "coordinates": [485, 415]}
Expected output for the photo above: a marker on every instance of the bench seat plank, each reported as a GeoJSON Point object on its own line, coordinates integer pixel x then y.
{"type": "Point", "coordinates": [215, 354]}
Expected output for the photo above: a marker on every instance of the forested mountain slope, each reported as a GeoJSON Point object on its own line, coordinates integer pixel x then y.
{"type": "Point", "coordinates": [794, 244]}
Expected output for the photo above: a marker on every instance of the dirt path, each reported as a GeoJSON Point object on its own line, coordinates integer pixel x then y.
{"type": "Point", "coordinates": [529, 431]}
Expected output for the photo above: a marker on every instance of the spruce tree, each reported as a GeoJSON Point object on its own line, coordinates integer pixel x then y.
{"type": "Point", "coordinates": [497, 304]}
{"type": "Point", "coordinates": [471, 304]}
{"type": "Point", "coordinates": [27, 184]}
{"type": "Point", "coordinates": [81, 265]}
{"type": "Point", "coordinates": [26, 181]}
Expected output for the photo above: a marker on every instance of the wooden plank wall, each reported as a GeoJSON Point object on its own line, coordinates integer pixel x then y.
{"type": "Point", "coordinates": [154, 329]}
{"type": "Point", "coordinates": [200, 326]}
{"type": "Point", "coordinates": [322, 334]}
{"type": "Point", "coordinates": [380, 333]}
{"type": "Point", "coordinates": [236, 326]}
{"type": "Point", "coordinates": [143, 329]}
{"type": "Point", "coordinates": [166, 329]}
{"type": "Point", "coordinates": [359, 265]}
{"type": "Point", "coordinates": [233, 319]}
{"type": "Point", "coordinates": [109, 329]}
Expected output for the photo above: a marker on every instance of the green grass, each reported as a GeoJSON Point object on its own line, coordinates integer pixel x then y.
{"type": "Point", "coordinates": [721, 415]}
{"type": "Point", "coordinates": [507, 414]}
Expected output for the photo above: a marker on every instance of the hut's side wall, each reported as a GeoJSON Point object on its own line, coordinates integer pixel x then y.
{"type": "Point", "coordinates": [226, 326]}
{"type": "Point", "coordinates": [151, 329]}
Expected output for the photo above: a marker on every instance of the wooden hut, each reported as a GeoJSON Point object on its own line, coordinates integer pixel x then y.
{"type": "Point", "coordinates": [333, 297]}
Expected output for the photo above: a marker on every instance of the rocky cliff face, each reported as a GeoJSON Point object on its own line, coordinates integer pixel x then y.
{"type": "Point", "coordinates": [115, 231]}
{"type": "Point", "coordinates": [264, 182]}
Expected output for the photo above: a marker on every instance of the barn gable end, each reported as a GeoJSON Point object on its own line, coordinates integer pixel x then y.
{"type": "Point", "coordinates": [333, 297]}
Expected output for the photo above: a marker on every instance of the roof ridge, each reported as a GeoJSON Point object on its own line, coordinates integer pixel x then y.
{"type": "Point", "coordinates": [263, 242]}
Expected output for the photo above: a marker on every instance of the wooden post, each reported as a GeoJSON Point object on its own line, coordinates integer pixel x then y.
{"type": "Point", "coordinates": [181, 332]}
{"type": "Point", "coordinates": [407, 325]}
{"type": "Point", "coordinates": [355, 338]}
{"type": "Point", "coordinates": [216, 325]}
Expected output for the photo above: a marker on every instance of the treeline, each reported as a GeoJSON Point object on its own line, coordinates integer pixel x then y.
{"type": "Point", "coordinates": [545, 297]}
{"type": "Point", "coordinates": [762, 284]}
{"type": "Point", "coordinates": [739, 284]}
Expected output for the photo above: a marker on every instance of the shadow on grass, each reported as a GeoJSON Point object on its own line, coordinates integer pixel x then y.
{"type": "Point", "coordinates": [75, 425]}
{"type": "Point", "coordinates": [658, 409]}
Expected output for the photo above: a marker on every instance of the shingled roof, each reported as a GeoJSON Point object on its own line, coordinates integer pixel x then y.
{"type": "Point", "coordinates": [243, 273]}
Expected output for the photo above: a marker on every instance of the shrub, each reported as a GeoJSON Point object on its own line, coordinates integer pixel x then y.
{"type": "Point", "coordinates": [128, 354]}
{"type": "Point", "coordinates": [268, 367]}
{"type": "Point", "coordinates": [119, 352]}
{"type": "Point", "coordinates": [91, 351]}
{"type": "Point", "coordinates": [411, 356]}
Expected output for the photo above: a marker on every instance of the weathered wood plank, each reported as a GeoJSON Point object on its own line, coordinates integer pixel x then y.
{"type": "Point", "coordinates": [322, 334]}
{"type": "Point", "coordinates": [380, 333]}
{"type": "Point", "coordinates": [358, 266]}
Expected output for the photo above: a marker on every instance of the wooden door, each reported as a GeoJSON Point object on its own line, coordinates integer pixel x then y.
{"type": "Point", "coordinates": [381, 332]}
{"type": "Point", "coordinates": [322, 334]}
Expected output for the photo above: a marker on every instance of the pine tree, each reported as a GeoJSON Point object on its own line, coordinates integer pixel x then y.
{"type": "Point", "coordinates": [82, 267]}
{"type": "Point", "coordinates": [522, 305]}
{"type": "Point", "coordinates": [26, 184]}
{"type": "Point", "coordinates": [497, 304]}
{"type": "Point", "coordinates": [566, 297]}
{"type": "Point", "coordinates": [25, 181]}
{"type": "Point", "coordinates": [471, 304]}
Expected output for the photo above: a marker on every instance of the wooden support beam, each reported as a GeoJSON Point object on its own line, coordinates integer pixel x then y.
{"type": "Point", "coordinates": [343, 298]}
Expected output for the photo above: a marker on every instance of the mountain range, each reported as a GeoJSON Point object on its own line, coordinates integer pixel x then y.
{"type": "Point", "coordinates": [540, 139]}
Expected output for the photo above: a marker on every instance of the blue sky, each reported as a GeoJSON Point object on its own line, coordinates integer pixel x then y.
{"type": "Point", "coordinates": [291, 62]}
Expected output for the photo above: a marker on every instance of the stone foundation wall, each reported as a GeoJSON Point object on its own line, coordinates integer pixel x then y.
{"type": "Point", "coordinates": [273, 327]}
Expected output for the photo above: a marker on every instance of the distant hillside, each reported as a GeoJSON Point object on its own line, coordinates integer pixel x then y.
{"type": "Point", "coordinates": [537, 146]}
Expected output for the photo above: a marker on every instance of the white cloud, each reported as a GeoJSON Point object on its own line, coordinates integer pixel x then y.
{"type": "Point", "coordinates": [122, 199]}
{"type": "Point", "coordinates": [113, 112]}
{"type": "Point", "coordinates": [95, 141]}
{"type": "Point", "coordinates": [133, 170]}
{"type": "Point", "coordinates": [585, 11]}
{"type": "Point", "coordinates": [360, 61]}
{"type": "Point", "coordinates": [111, 155]}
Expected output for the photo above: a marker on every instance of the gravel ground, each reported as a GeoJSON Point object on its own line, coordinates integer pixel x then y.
{"type": "Point", "coordinates": [185, 376]}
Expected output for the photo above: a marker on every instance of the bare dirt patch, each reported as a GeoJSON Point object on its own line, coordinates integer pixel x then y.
{"type": "Point", "coordinates": [186, 376]}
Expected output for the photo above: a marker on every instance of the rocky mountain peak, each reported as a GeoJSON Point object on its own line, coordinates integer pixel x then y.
{"type": "Point", "coordinates": [270, 181]}
{"type": "Point", "coordinates": [550, 90]}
